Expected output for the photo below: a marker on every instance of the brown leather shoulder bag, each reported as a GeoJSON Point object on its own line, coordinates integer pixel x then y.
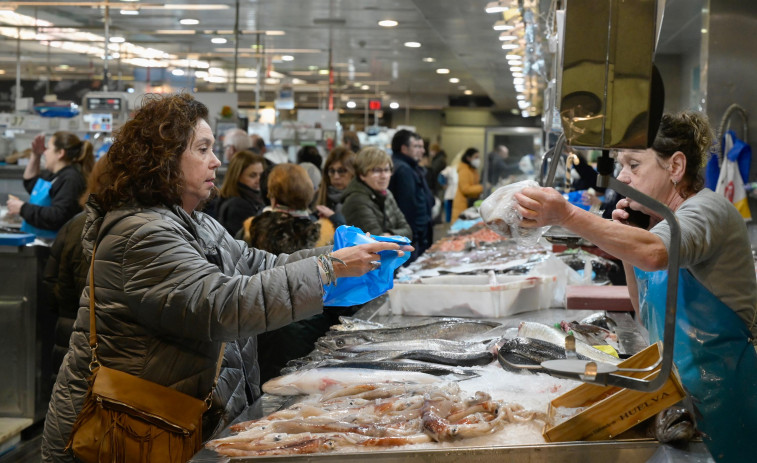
{"type": "Point", "coordinates": [128, 419]}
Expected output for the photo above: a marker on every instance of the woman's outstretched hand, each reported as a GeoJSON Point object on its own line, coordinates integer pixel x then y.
{"type": "Point", "coordinates": [361, 259]}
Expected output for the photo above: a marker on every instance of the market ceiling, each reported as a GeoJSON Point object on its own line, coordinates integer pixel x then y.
{"type": "Point", "coordinates": [292, 42]}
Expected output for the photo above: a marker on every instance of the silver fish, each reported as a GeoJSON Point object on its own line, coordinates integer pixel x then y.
{"type": "Point", "coordinates": [449, 330]}
{"type": "Point", "coordinates": [394, 365]}
{"type": "Point", "coordinates": [600, 319]}
{"type": "Point", "coordinates": [553, 335]}
{"type": "Point", "coordinates": [352, 324]}
{"type": "Point", "coordinates": [527, 351]}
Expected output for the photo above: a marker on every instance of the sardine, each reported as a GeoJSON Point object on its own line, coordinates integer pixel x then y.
{"type": "Point", "coordinates": [527, 351]}
{"type": "Point", "coordinates": [554, 336]}
{"type": "Point", "coordinates": [590, 334]}
{"type": "Point", "coordinates": [600, 319]}
{"type": "Point", "coordinates": [450, 330]}
{"type": "Point", "coordinates": [674, 425]}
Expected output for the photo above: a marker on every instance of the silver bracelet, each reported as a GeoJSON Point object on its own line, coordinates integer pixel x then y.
{"type": "Point", "coordinates": [328, 269]}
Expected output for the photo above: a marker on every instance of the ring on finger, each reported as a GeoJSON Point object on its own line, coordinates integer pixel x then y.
{"type": "Point", "coordinates": [375, 264]}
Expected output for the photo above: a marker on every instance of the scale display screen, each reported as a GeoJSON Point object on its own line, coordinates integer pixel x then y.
{"type": "Point", "coordinates": [103, 104]}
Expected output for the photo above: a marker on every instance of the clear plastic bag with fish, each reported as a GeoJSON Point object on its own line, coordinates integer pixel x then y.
{"type": "Point", "coordinates": [500, 213]}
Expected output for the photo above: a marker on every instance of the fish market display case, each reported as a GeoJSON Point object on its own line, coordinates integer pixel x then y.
{"type": "Point", "coordinates": [631, 446]}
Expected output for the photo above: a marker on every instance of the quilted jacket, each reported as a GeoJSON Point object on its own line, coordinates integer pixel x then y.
{"type": "Point", "coordinates": [169, 289]}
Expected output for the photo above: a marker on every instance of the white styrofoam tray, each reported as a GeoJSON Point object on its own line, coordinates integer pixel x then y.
{"type": "Point", "coordinates": [468, 296]}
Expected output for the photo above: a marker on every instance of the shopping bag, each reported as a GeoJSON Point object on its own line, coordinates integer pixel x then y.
{"type": "Point", "coordinates": [359, 290]}
{"type": "Point", "coordinates": [730, 183]}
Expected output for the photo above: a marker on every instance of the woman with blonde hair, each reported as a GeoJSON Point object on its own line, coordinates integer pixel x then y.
{"type": "Point", "coordinates": [367, 202]}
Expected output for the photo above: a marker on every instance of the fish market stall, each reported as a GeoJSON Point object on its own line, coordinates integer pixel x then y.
{"type": "Point", "coordinates": [509, 406]}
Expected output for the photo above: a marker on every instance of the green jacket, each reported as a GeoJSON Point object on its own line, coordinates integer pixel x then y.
{"type": "Point", "coordinates": [372, 212]}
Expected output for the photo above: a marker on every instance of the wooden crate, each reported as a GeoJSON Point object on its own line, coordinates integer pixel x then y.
{"type": "Point", "coordinates": [609, 410]}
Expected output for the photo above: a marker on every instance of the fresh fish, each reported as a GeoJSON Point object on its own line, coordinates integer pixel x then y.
{"type": "Point", "coordinates": [600, 319]}
{"type": "Point", "coordinates": [554, 336]}
{"type": "Point", "coordinates": [450, 330]}
{"type": "Point", "coordinates": [319, 380]}
{"type": "Point", "coordinates": [590, 334]}
{"type": "Point", "coordinates": [602, 268]}
{"type": "Point", "coordinates": [674, 425]}
{"type": "Point", "coordinates": [352, 324]}
{"type": "Point", "coordinates": [466, 359]}
{"type": "Point", "coordinates": [416, 344]}
{"type": "Point", "coordinates": [394, 365]}
{"type": "Point", "coordinates": [527, 351]}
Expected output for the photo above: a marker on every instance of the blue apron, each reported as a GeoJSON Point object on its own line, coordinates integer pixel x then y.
{"type": "Point", "coordinates": [715, 359]}
{"type": "Point", "coordinates": [40, 197]}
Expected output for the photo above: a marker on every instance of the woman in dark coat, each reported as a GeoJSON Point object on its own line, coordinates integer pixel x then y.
{"type": "Point", "coordinates": [367, 203]}
{"type": "Point", "coordinates": [240, 196]}
{"type": "Point", "coordinates": [171, 285]}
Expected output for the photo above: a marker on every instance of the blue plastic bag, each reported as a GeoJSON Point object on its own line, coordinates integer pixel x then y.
{"type": "Point", "coordinates": [359, 290]}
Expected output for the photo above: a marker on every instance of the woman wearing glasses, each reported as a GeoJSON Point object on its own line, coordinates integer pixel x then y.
{"type": "Point", "coordinates": [337, 174]}
{"type": "Point", "coordinates": [367, 203]}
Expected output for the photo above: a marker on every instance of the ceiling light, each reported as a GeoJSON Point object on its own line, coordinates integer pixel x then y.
{"type": "Point", "coordinates": [520, 97]}
{"type": "Point", "coordinates": [518, 80]}
{"type": "Point", "coordinates": [454, 80]}
{"type": "Point", "coordinates": [275, 33]}
{"type": "Point", "coordinates": [429, 59]}
{"type": "Point", "coordinates": [509, 46]}
{"type": "Point", "coordinates": [513, 56]}
{"type": "Point", "coordinates": [517, 74]}
{"type": "Point", "coordinates": [506, 36]}
{"type": "Point", "coordinates": [323, 72]}
{"type": "Point", "coordinates": [2, 71]}
{"type": "Point", "coordinates": [516, 68]}
{"type": "Point", "coordinates": [287, 58]}
{"type": "Point", "coordinates": [189, 22]}
{"type": "Point", "coordinates": [129, 12]}
{"type": "Point", "coordinates": [412, 44]}
{"type": "Point", "coordinates": [201, 74]}
{"type": "Point", "coordinates": [468, 92]}
{"type": "Point", "coordinates": [520, 88]}
{"type": "Point", "coordinates": [351, 104]}
{"type": "Point", "coordinates": [496, 7]}
{"type": "Point", "coordinates": [175, 31]}
{"type": "Point", "coordinates": [178, 72]}
{"type": "Point", "coordinates": [218, 40]}
{"type": "Point", "coordinates": [186, 6]}
{"type": "Point", "coordinates": [388, 23]}
{"type": "Point", "coordinates": [365, 87]}
{"type": "Point", "coordinates": [522, 104]}
{"type": "Point", "coordinates": [251, 73]}
{"type": "Point", "coordinates": [117, 40]}
{"type": "Point", "coordinates": [442, 71]}
{"type": "Point", "coordinates": [501, 25]}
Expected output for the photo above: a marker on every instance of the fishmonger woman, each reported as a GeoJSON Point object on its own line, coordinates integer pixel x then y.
{"type": "Point", "coordinates": [717, 289]}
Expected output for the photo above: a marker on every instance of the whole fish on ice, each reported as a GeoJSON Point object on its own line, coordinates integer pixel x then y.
{"type": "Point", "coordinates": [553, 335]}
{"type": "Point", "coordinates": [319, 380]}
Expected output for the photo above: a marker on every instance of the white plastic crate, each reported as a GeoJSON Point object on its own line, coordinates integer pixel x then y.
{"type": "Point", "coordinates": [467, 296]}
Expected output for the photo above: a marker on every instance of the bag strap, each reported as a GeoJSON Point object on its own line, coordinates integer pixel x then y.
{"type": "Point", "coordinates": [94, 363]}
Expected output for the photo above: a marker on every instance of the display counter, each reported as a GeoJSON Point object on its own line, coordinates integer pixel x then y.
{"type": "Point", "coordinates": [631, 446]}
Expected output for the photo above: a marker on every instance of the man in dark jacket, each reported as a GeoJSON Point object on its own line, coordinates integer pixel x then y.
{"type": "Point", "coordinates": [410, 189]}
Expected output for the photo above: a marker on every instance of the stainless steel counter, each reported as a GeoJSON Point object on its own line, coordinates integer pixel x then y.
{"type": "Point", "coordinates": [630, 449]}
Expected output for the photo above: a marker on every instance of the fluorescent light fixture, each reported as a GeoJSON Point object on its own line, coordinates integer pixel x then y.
{"type": "Point", "coordinates": [468, 92]}
{"type": "Point", "coordinates": [442, 71]}
{"type": "Point", "coordinates": [275, 33]}
{"type": "Point", "coordinates": [357, 84]}
{"type": "Point", "coordinates": [513, 56]}
{"type": "Point", "coordinates": [287, 58]}
{"type": "Point", "coordinates": [454, 80]}
{"type": "Point", "coordinates": [412, 44]}
{"type": "Point", "coordinates": [506, 36]}
{"type": "Point", "coordinates": [351, 104]}
{"type": "Point", "coordinates": [129, 12]}
{"type": "Point", "coordinates": [518, 80]}
{"type": "Point", "coordinates": [394, 105]}
{"type": "Point", "coordinates": [189, 22]}
{"type": "Point", "coordinates": [516, 68]}
{"type": "Point", "coordinates": [218, 40]}
{"type": "Point", "coordinates": [116, 39]}
{"type": "Point", "coordinates": [522, 104]}
{"type": "Point", "coordinates": [520, 97]}
{"type": "Point", "coordinates": [178, 72]}
{"type": "Point", "coordinates": [323, 72]}
{"type": "Point", "coordinates": [496, 7]}
{"type": "Point", "coordinates": [388, 23]}
{"type": "Point", "coordinates": [520, 88]}
{"type": "Point", "coordinates": [215, 79]}
{"type": "Point", "coordinates": [201, 74]}
{"type": "Point", "coordinates": [365, 87]}
{"type": "Point", "coordinates": [502, 25]}
{"type": "Point", "coordinates": [429, 59]}
{"type": "Point", "coordinates": [517, 74]}
{"type": "Point", "coordinates": [175, 32]}
{"type": "Point", "coordinates": [509, 46]}
{"type": "Point", "coordinates": [251, 73]}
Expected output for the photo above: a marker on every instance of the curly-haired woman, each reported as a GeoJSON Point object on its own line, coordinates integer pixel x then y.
{"type": "Point", "coordinates": [171, 285]}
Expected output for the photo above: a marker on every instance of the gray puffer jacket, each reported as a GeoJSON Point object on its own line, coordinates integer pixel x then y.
{"type": "Point", "coordinates": [164, 308]}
